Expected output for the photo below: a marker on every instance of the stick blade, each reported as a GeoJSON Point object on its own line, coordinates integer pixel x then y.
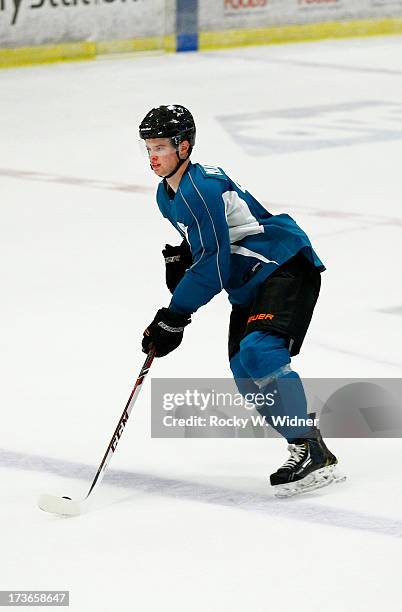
{"type": "Point", "coordinates": [60, 505]}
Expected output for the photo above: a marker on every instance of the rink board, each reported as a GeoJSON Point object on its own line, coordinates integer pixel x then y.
{"type": "Point", "coordinates": [40, 32]}
{"type": "Point", "coordinates": [299, 33]}
{"type": "Point", "coordinates": [23, 56]}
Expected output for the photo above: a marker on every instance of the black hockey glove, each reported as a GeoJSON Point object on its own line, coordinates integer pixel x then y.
{"type": "Point", "coordinates": [177, 260]}
{"type": "Point", "coordinates": [165, 332]}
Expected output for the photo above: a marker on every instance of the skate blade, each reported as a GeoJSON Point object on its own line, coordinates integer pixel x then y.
{"type": "Point", "coordinates": [316, 480]}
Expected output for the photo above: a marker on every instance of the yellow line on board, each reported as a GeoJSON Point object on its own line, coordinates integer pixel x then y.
{"type": "Point", "coordinates": [24, 56]}
{"type": "Point", "coordinates": [299, 33]}
{"type": "Point", "coordinates": [165, 43]}
{"type": "Point", "coordinates": [67, 52]}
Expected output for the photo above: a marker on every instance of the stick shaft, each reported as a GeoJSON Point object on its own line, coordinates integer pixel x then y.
{"type": "Point", "coordinates": [122, 423]}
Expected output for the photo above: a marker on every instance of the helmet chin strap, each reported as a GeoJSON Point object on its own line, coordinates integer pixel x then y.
{"type": "Point", "coordinates": [179, 164]}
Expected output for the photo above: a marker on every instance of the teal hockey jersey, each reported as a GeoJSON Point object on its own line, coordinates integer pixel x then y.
{"type": "Point", "coordinates": [235, 242]}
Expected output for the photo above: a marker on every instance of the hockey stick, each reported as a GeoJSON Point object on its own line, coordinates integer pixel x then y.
{"type": "Point", "coordinates": [69, 507]}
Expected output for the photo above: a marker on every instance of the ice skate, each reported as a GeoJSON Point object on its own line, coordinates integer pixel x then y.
{"type": "Point", "coordinates": [311, 466]}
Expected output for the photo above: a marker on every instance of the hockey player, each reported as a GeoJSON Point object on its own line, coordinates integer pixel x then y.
{"type": "Point", "coordinates": [267, 266]}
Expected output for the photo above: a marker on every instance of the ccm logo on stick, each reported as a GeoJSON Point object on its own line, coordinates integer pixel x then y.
{"type": "Point", "coordinates": [119, 431]}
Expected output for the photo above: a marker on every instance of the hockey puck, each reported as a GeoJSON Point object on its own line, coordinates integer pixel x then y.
{"type": "Point", "coordinates": [65, 497]}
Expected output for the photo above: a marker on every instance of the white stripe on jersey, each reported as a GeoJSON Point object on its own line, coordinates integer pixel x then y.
{"type": "Point", "coordinates": [239, 250]}
{"type": "Point", "coordinates": [240, 221]}
{"type": "Point", "coordinates": [199, 230]}
{"type": "Point", "coordinates": [213, 227]}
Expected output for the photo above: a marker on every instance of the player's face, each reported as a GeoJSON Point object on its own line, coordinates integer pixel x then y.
{"type": "Point", "coordinates": [162, 155]}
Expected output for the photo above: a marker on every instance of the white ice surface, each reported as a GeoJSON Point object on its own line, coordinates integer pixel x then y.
{"type": "Point", "coordinates": [189, 524]}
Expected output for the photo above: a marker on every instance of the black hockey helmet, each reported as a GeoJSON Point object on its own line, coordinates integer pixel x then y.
{"type": "Point", "coordinates": [173, 121]}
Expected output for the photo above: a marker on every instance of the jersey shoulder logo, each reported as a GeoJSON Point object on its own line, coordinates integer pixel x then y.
{"type": "Point", "coordinates": [212, 172]}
